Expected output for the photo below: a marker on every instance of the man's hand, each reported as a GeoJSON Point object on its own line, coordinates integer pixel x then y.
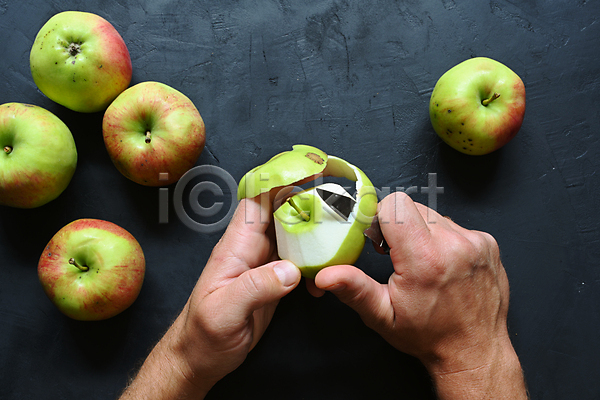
{"type": "Point", "coordinates": [446, 302]}
{"type": "Point", "coordinates": [227, 313]}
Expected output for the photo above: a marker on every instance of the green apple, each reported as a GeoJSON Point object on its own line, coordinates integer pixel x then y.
{"type": "Point", "coordinates": [477, 106]}
{"type": "Point", "coordinates": [80, 61]}
{"type": "Point", "coordinates": [153, 133]}
{"type": "Point", "coordinates": [38, 157]}
{"type": "Point", "coordinates": [320, 226]}
{"type": "Point", "coordinates": [92, 269]}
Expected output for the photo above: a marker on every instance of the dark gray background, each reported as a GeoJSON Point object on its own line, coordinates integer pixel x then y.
{"type": "Point", "coordinates": [354, 79]}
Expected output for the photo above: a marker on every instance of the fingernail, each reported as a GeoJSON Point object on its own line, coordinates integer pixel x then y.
{"type": "Point", "coordinates": [287, 273]}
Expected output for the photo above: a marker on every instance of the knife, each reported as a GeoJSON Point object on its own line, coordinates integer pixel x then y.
{"type": "Point", "coordinates": [343, 206]}
{"type": "Point", "coordinates": [374, 233]}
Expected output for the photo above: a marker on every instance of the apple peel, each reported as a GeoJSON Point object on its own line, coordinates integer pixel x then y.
{"type": "Point", "coordinates": [308, 161]}
{"type": "Point", "coordinates": [328, 236]}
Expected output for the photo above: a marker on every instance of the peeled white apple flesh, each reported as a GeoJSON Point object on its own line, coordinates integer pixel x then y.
{"type": "Point", "coordinates": [326, 237]}
{"type": "Point", "coordinates": [311, 231]}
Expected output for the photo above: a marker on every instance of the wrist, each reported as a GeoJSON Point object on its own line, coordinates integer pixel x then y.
{"type": "Point", "coordinates": [490, 370]}
{"type": "Point", "coordinates": [166, 374]}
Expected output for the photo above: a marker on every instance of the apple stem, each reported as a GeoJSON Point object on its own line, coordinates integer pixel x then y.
{"type": "Point", "coordinates": [81, 267]}
{"type": "Point", "coordinates": [8, 149]}
{"type": "Point", "coordinates": [148, 136]}
{"type": "Point", "coordinates": [304, 215]}
{"type": "Point", "coordinates": [492, 98]}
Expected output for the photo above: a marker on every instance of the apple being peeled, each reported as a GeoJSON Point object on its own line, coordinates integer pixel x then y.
{"type": "Point", "coordinates": [477, 106]}
{"type": "Point", "coordinates": [153, 133]}
{"type": "Point", "coordinates": [38, 157]}
{"type": "Point", "coordinates": [92, 269]}
{"type": "Point", "coordinates": [320, 226]}
{"type": "Point", "coordinates": [80, 61]}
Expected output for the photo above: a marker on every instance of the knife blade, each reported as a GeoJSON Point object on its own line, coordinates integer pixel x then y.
{"type": "Point", "coordinates": [374, 233]}
{"type": "Point", "coordinates": [342, 205]}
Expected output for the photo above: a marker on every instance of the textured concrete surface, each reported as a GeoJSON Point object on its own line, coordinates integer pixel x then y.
{"type": "Point", "coordinates": [354, 79]}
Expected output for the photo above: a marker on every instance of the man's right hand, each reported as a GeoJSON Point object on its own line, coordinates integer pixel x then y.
{"type": "Point", "coordinates": [445, 303]}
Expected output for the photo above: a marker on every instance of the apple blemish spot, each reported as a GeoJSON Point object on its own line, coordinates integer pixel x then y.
{"type": "Point", "coordinates": [315, 157]}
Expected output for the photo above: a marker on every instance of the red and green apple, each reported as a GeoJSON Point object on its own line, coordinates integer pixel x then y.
{"type": "Point", "coordinates": [80, 61]}
{"type": "Point", "coordinates": [92, 269]}
{"type": "Point", "coordinates": [153, 133]}
{"type": "Point", "coordinates": [38, 157]}
{"type": "Point", "coordinates": [477, 106]}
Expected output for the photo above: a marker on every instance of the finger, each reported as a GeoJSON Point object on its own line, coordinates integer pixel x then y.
{"type": "Point", "coordinates": [313, 289]}
{"type": "Point", "coordinates": [364, 295]}
{"type": "Point", "coordinates": [246, 243]}
{"type": "Point", "coordinates": [432, 218]}
{"type": "Point", "coordinates": [438, 223]}
{"type": "Point", "coordinates": [258, 287]}
{"type": "Point", "coordinates": [402, 224]}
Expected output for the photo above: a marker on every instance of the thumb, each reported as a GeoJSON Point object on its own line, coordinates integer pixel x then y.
{"type": "Point", "coordinates": [259, 286]}
{"type": "Point", "coordinates": [360, 292]}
